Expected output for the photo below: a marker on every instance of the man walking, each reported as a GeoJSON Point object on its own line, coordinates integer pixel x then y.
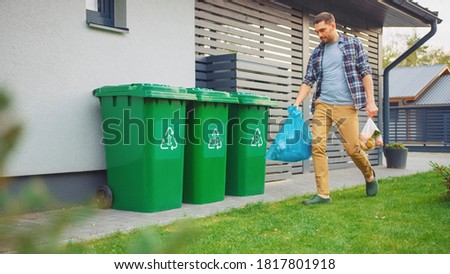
{"type": "Point", "coordinates": [340, 66]}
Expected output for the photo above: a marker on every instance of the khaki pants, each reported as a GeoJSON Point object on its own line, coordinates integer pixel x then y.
{"type": "Point", "coordinates": [346, 119]}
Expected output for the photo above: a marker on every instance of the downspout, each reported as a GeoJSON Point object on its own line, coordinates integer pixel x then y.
{"type": "Point", "coordinates": [386, 78]}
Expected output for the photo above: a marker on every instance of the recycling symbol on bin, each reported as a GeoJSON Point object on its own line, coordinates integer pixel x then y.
{"type": "Point", "coordinates": [257, 139]}
{"type": "Point", "coordinates": [215, 142]}
{"type": "Point", "coordinates": [169, 141]}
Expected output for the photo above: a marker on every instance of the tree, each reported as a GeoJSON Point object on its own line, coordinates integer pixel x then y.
{"type": "Point", "coordinates": [423, 56]}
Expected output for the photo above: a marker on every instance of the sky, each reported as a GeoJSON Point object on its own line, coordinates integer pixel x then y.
{"type": "Point", "coordinates": [442, 37]}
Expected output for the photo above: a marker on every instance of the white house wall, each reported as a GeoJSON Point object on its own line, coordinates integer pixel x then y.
{"type": "Point", "coordinates": [51, 61]}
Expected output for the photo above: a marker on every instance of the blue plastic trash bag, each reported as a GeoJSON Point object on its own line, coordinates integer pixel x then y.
{"type": "Point", "coordinates": [293, 141]}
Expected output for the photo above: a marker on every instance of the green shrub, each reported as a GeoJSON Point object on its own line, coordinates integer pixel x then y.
{"type": "Point", "coordinates": [445, 172]}
{"type": "Point", "coordinates": [395, 146]}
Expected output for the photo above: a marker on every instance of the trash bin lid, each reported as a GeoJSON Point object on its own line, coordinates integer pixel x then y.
{"type": "Point", "coordinates": [145, 90]}
{"type": "Point", "coordinates": [210, 95]}
{"type": "Point", "coordinates": [248, 98]}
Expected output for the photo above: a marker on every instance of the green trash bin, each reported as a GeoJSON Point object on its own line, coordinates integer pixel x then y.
{"type": "Point", "coordinates": [205, 157]}
{"type": "Point", "coordinates": [143, 135]}
{"type": "Point", "coordinates": [247, 144]}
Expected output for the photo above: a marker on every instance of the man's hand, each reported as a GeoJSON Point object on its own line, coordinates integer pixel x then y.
{"type": "Point", "coordinates": [371, 109]}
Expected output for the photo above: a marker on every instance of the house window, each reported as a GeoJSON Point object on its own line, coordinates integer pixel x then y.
{"type": "Point", "coordinates": [107, 14]}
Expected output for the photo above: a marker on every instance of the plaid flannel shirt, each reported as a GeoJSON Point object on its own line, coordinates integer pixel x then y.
{"type": "Point", "coordinates": [356, 66]}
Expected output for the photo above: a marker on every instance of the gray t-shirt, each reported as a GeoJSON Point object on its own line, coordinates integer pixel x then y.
{"type": "Point", "coordinates": [334, 87]}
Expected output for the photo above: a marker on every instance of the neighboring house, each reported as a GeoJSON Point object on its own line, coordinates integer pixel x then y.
{"type": "Point", "coordinates": [421, 85]}
{"type": "Point", "coordinates": [438, 93]}
{"type": "Point", "coordinates": [420, 107]}
{"type": "Point", "coordinates": [54, 53]}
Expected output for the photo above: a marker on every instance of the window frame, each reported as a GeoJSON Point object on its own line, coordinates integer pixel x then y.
{"type": "Point", "coordinates": [105, 17]}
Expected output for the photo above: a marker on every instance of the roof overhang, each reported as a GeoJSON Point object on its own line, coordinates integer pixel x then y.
{"type": "Point", "coordinates": [413, 10]}
{"type": "Point", "coordinates": [372, 13]}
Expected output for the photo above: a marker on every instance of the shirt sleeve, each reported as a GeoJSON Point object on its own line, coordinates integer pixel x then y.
{"type": "Point", "coordinates": [363, 66]}
{"type": "Point", "coordinates": [310, 78]}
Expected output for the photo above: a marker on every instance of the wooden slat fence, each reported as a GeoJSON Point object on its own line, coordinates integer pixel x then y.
{"type": "Point", "coordinates": [262, 46]}
{"type": "Point", "coordinates": [421, 128]}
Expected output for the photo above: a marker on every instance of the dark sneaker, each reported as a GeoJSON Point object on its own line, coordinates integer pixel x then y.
{"type": "Point", "coordinates": [316, 199]}
{"type": "Point", "coordinates": [372, 187]}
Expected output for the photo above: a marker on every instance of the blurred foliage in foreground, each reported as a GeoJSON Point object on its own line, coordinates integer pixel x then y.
{"type": "Point", "coordinates": [42, 232]}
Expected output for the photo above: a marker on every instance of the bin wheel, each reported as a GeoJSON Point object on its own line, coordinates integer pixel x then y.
{"type": "Point", "coordinates": [104, 197]}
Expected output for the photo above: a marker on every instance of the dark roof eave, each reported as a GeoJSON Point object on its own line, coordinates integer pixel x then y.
{"type": "Point", "coordinates": [417, 11]}
{"type": "Point", "coordinates": [371, 13]}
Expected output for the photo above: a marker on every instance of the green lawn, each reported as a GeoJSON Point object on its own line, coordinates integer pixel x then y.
{"type": "Point", "coordinates": [409, 215]}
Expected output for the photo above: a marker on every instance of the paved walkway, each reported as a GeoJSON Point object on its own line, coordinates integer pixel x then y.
{"type": "Point", "coordinates": [104, 222]}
